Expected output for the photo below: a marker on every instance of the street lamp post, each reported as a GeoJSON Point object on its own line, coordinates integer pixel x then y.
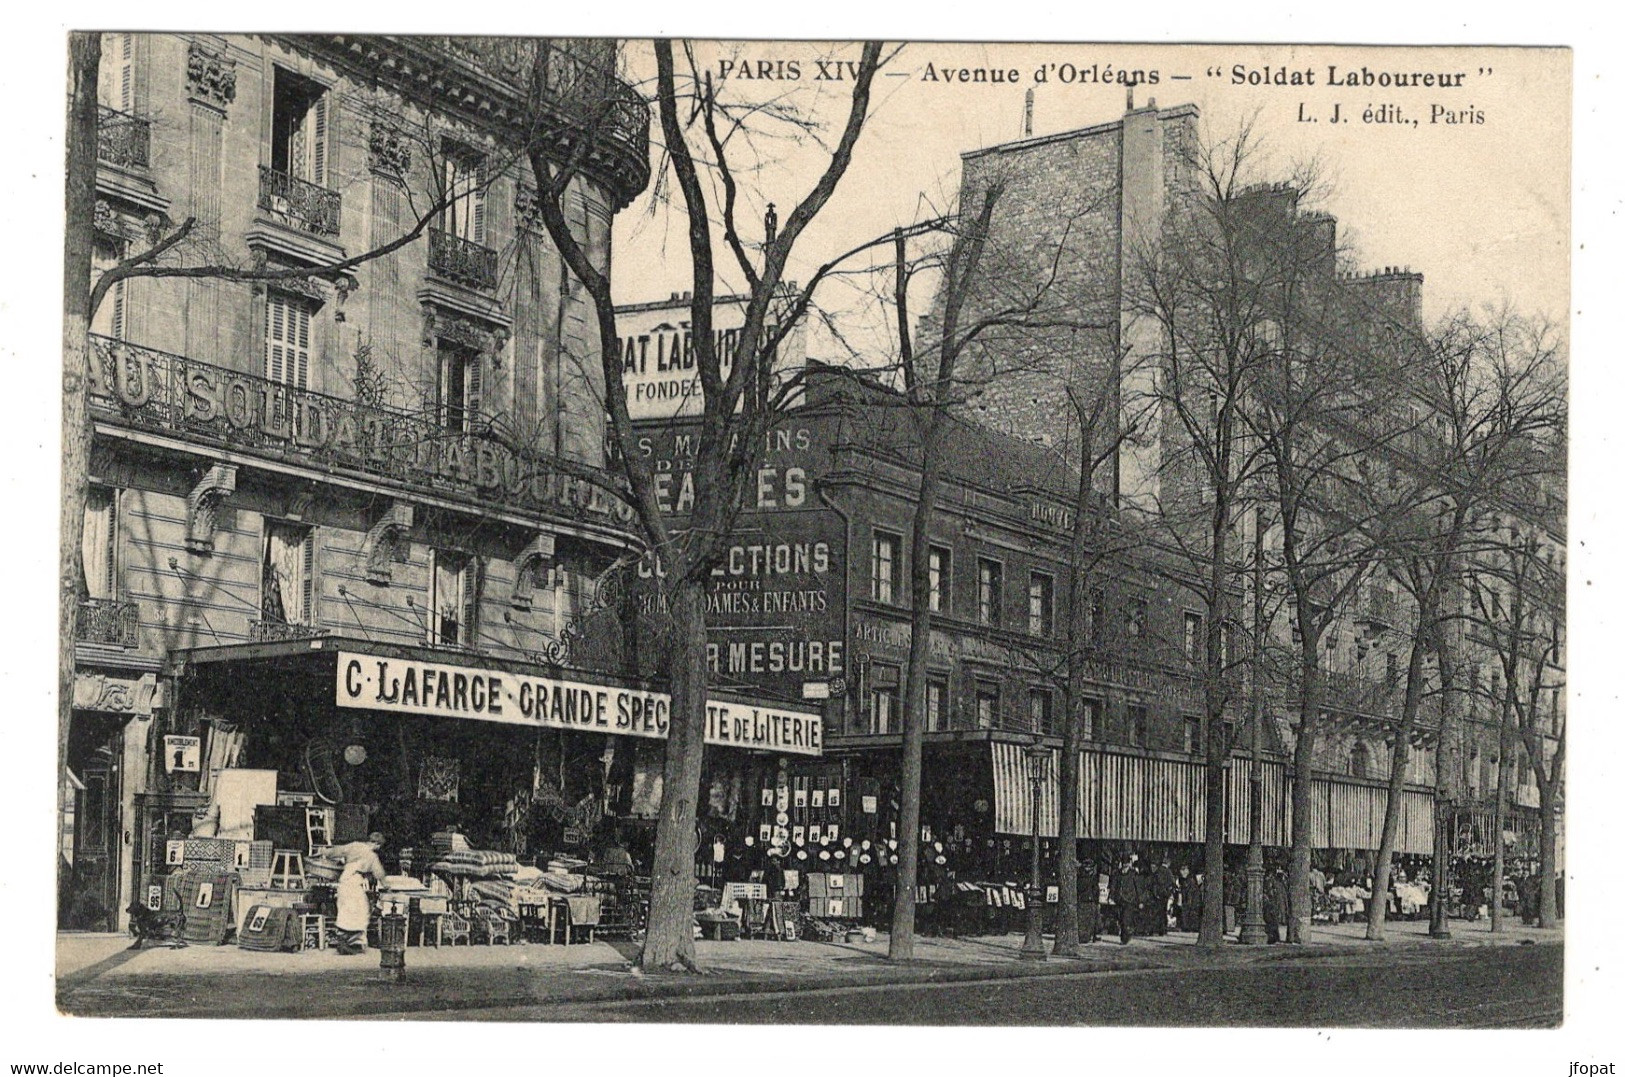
{"type": "Point", "coordinates": [1032, 947]}
{"type": "Point", "coordinates": [1252, 913]}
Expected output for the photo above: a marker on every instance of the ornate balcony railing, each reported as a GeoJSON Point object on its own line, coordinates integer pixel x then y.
{"type": "Point", "coordinates": [109, 620]}
{"type": "Point", "coordinates": [462, 261]}
{"type": "Point", "coordinates": [561, 94]}
{"type": "Point", "coordinates": [299, 203]}
{"type": "Point", "coordinates": [211, 406]}
{"type": "Point", "coordinates": [122, 139]}
{"type": "Point", "coordinates": [277, 631]}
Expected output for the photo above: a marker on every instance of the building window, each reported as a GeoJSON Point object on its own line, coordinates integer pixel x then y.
{"type": "Point", "coordinates": [1097, 617]}
{"type": "Point", "coordinates": [1040, 711]}
{"type": "Point", "coordinates": [108, 319]}
{"type": "Point", "coordinates": [1138, 725]}
{"type": "Point", "coordinates": [1391, 672]}
{"type": "Point", "coordinates": [460, 387]}
{"type": "Point", "coordinates": [936, 693]}
{"type": "Point", "coordinates": [452, 598]}
{"type": "Point", "coordinates": [1041, 605]}
{"type": "Point", "coordinates": [99, 543]}
{"type": "Point", "coordinates": [464, 212]}
{"type": "Point", "coordinates": [1360, 760]}
{"type": "Point", "coordinates": [989, 592]}
{"type": "Point", "coordinates": [287, 574]}
{"type": "Point", "coordinates": [299, 108]}
{"type": "Point", "coordinates": [1195, 642]}
{"type": "Point", "coordinates": [883, 565]}
{"type": "Point", "coordinates": [939, 567]}
{"type": "Point", "coordinates": [885, 699]}
{"type": "Point", "coordinates": [987, 705]}
{"type": "Point", "coordinates": [287, 338]}
{"type": "Point", "coordinates": [1193, 736]}
{"type": "Point", "coordinates": [1089, 713]}
{"type": "Point", "coordinates": [1134, 618]}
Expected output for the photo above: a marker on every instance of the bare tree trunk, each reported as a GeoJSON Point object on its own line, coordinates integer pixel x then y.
{"type": "Point", "coordinates": [1376, 918]}
{"type": "Point", "coordinates": [669, 944]}
{"type": "Point", "coordinates": [1067, 939]}
{"type": "Point", "coordinates": [1548, 856]}
{"type": "Point", "coordinates": [1303, 789]}
{"type": "Point", "coordinates": [1211, 933]}
{"type": "Point", "coordinates": [901, 944]}
{"type": "Point", "coordinates": [1498, 875]}
{"type": "Point", "coordinates": [1446, 770]}
{"type": "Point", "coordinates": [84, 51]}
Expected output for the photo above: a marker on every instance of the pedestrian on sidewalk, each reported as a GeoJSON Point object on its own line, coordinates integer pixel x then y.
{"type": "Point", "coordinates": [1275, 904]}
{"type": "Point", "coordinates": [1128, 894]}
{"type": "Point", "coordinates": [355, 911]}
{"type": "Point", "coordinates": [1190, 900]}
{"type": "Point", "coordinates": [1163, 887]}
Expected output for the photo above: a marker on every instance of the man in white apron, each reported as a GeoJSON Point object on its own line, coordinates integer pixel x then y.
{"type": "Point", "coordinates": [360, 862]}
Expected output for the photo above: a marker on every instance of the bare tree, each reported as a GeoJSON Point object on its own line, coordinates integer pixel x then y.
{"type": "Point", "coordinates": [738, 403]}
{"type": "Point", "coordinates": [1516, 613]}
{"type": "Point", "coordinates": [1485, 401]}
{"type": "Point", "coordinates": [1211, 315]}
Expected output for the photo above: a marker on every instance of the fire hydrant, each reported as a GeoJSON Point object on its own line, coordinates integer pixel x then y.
{"type": "Point", "coordinates": [392, 946]}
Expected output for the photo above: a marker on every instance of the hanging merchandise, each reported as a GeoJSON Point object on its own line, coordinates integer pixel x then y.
{"type": "Point", "coordinates": [438, 779]}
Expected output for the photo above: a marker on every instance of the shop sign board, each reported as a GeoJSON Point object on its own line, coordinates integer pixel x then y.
{"type": "Point", "coordinates": [373, 682]}
{"type": "Point", "coordinates": [658, 365]}
{"type": "Point", "coordinates": [182, 754]}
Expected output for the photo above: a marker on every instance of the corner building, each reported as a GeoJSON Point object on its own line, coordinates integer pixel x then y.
{"type": "Point", "coordinates": [289, 476]}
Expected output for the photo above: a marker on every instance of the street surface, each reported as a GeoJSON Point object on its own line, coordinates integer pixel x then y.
{"type": "Point", "coordinates": [1508, 987]}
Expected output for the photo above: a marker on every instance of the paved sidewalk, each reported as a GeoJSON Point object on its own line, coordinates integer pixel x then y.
{"type": "Point", "coordinates": [98, 977]}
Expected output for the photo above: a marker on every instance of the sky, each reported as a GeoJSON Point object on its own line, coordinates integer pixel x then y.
{"type": "Point", "coordinates": [1480, 206]}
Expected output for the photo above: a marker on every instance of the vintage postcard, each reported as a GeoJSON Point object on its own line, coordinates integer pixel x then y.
{"type": "Point", "coordinates": [569, 529]}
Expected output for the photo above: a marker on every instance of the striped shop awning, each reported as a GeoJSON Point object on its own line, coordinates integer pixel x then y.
{"type": "Point", "coordinates": [1141, 798]}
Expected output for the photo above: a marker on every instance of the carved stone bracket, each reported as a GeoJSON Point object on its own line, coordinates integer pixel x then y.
{"type": "Point", "coordinates": [528, 566]}
{"type": "Point", "coordinates": [382, 538]}
{"type": "Point", "coordinates": [211, 79]}
{"type": "Point", "coordinates": [203, 504]}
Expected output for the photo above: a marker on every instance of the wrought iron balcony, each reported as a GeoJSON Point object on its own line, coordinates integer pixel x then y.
{"type": "Point", "coordinates": [462, 261]}
{"type": "Point", "coordinates": [277, 631]}
{"type": "Point", "coordinates": [298, 203]}
{"type": "Point", "coordinates": [113, 621]}
{"type": "Point", "coordinates": [122, 140]}
{"type": "Point", "coordinates": [562, 94]}
{"type": "Point", "coordinates": [217, 408]}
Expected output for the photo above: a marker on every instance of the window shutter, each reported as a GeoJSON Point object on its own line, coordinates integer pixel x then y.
{"type": "Point", "coordinates": [307, 579]}
{"type": "Point", "coordinates": [476, 210]}
{"type": "Point", "coordinates": [473, 388]}
{"type": "Point", "coordinates": [287, 340]}
{"type": "Point", "coordinates": [126, 74]}
{"type": "Point", "coordinates": [276, 312]}
{"type": "Point", "coordinates": [318, 141]}
{"type": "Point", "coordinates": [299, 372]}
{"type": "Point", "coordinates": [118, 310]}
{"type": "Point", "coordinates": [472, 573]}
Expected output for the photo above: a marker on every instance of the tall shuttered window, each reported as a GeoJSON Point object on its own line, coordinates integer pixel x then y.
{"type": "Point", "coordinates": [287, 338]}
{"type": "Point", "coordinates": [461, 386]}
{"type": "Point", "coordinates": [453, 598]}
{"type": "Point", "coordinates": [299, 128]}
{"type": "Point", "coordinates": [464, 214]}
{"type": "Point", "coordinates": [99, 543]}
{"type": "Point", "coordinates": [288, 574]}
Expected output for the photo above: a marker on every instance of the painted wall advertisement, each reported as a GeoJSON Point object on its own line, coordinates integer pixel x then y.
{"type": "Point", "coordinates": [658, 366]}
{"type": "Point", "coordinates": [776, 603]}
